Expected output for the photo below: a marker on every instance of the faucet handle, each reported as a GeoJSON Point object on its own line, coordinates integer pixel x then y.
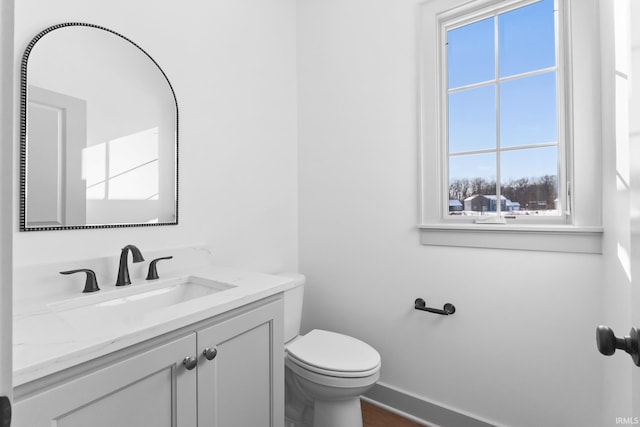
{"type": "Point", "coordinates": [91, 284]}
{"type": "Point", "coordinates": [153, 271]}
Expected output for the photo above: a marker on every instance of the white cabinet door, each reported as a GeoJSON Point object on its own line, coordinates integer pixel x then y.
{"type": "Point", "coordinates": [152, 388]}
{"type": "Point", "coordinates": [243, 385]}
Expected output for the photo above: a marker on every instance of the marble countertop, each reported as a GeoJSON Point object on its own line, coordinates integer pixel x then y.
{"type": "Point", "coordinates": [46, 342]}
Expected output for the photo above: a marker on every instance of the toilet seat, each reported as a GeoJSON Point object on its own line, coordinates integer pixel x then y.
{"type": "Point", "coordinates": [333, 354]}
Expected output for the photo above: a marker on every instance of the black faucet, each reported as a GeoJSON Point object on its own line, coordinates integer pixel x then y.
{"type": "Point", "coordinates": [123, 270]}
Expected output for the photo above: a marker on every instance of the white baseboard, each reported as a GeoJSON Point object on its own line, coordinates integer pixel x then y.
{"type": "Point", "coordinates": [419, 410]}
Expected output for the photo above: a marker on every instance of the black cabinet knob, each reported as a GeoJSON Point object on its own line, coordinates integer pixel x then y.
{"type": "Point", "coordinates": [189, 362]}
{"type": "Point", "coordinates": [608, 343]}
{"type": "Point", "coordinates": [210, 353]}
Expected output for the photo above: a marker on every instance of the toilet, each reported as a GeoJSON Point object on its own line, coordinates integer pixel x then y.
{"type": "Point", "coordinates": [325, 372]}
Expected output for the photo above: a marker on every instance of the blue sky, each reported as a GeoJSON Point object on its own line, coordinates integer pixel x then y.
{"type": "Point", "coordinates": [526, 42]}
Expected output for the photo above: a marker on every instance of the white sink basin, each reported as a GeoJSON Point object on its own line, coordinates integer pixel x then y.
{"type": "Point", "coordinates": [134, 302]}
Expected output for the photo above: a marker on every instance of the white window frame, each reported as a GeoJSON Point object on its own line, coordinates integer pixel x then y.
{"type": "Point", "coordinates": [579, 228]}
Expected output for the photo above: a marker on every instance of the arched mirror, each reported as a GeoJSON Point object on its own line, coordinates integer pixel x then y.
{"type": "Point", "coordinates": [99, 133]}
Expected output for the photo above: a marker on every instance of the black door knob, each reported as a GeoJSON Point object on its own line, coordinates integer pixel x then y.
{"type": "Point", "coordinates": [608, 343]}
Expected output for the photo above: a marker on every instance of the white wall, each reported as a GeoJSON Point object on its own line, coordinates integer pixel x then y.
{"type": "Point", "coordinates": [520, 349]}
{"type": "Point", "coordinates": [233, 67]}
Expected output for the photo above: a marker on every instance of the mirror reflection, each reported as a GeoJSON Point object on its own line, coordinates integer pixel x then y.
{"type": "Point", "coordinates": [99, 133]}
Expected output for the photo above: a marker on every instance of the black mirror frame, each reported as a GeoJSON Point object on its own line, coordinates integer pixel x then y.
{"type": "Point", "coordinates": [23, 135]}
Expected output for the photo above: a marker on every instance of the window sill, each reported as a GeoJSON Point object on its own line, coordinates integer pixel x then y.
{"type": "Point", "coordinates": [546, 238]}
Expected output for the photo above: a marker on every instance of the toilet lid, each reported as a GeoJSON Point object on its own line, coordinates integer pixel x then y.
{"type": "Point", "coordinates": [326, 351]}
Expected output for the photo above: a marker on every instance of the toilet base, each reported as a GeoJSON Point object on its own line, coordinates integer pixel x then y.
{"type": "Point", "coordinates": [338, 413]}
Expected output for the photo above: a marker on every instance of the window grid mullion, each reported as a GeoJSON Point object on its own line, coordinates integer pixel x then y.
{"type": "Point", "coordinates": [508, 148]}
{"type": "Point", "coordinates": [503, 79]}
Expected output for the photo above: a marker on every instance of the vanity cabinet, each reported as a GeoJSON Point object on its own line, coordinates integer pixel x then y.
{"type": "Point", "coordinates": [237, 382]}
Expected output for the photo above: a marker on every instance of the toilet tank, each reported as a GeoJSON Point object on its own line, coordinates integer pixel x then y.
{"type": "Point", "coordinates": [293, 299]}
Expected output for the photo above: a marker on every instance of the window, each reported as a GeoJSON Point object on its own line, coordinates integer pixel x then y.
{"type": "Point", "coordinates": [498, 116]}
{"type": "Point", "coordinates": [501, 115]}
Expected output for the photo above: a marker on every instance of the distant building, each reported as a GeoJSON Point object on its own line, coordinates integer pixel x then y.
{"type": "Point", "coordinates": [455, 206]}
{"type": "Point", "coordinates": [484, 203]}
{"type": "Point", "coordinates": [536, 205]}
{"type": "Point", "coordinates": [513, 206]}
{"type": "Point", "coordinates": [488, 203]}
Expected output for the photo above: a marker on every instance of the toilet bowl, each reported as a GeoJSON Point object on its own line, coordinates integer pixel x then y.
{"type": "Point", "coordinates": [325, 372]}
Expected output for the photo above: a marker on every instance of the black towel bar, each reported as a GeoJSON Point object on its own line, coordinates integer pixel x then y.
{"type": "Point", "coordinates": [447, 310]}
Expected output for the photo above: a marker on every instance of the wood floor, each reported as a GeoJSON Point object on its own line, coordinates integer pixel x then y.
{"type": "Point", "coordinates": [374, 416]}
